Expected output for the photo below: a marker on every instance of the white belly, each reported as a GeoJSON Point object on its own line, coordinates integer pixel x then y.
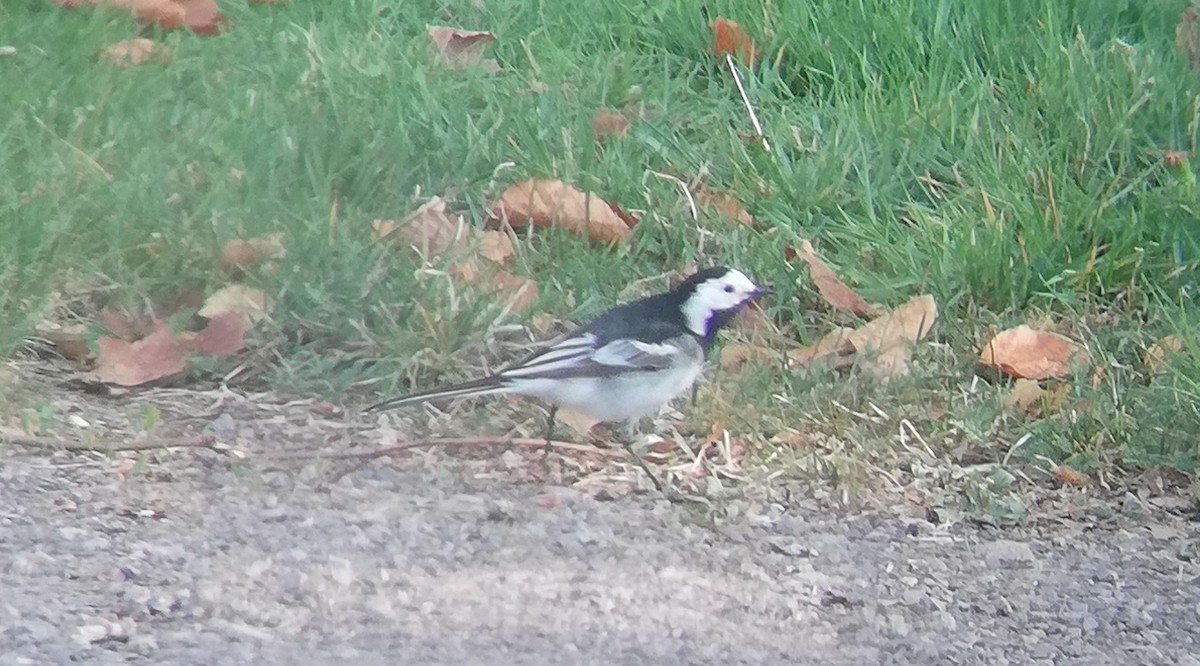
{"type": "Point", "coordinates": [614, 398]}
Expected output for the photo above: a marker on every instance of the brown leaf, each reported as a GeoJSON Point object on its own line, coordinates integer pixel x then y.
{"type": "Point", "coordinates": [608, 123]}
{"type": "Point", "coordinates": [543, 203]}
{"type": "Point", "coordinates": [429, 230]}
{"type": "Point", "coordinates": [734, 357]}
{"type": "Point", "coordinates": [1187, 36]}
{"type": "Point", "coordinates": [1032, 354]}
{"type": "Point", "coordinates": [166, 14]}
{"type": "Point", "coordinates": [1070, 475]}
{"type": "Point", "coordinates": [729, 38]}
{"type": "Point", "coordinates": [836, 342]}
{"type": "Point", "coordinates": [70, 340]}
{"type": "Point", "coordinates": [248, 303]}
{"type": "Point", "coordinates": [832, 289]}
{"type": "Point", "coordinates": [225, 335]}
{"type": "Point", "coordinates": [752, 318]}
{"type": "Point", "coordinates": [1173, 159]}
{"type": "Point", "coordinates": [519, 293]}
{"type": "Point", "coordinates": [888, 339]}
{"type": "Point", "coordinates": [726, 206]}
{"type": "Point", "coordinates": [134, 52]}
{"type": "Point", "coordinates": [119, 324]}
{"type": "Point", "coordinates": [202, 16]}
{"type": "Point", "coordinates": [497, 247]}
{"type": "Point", "coordinates": [1159, 353]}
{"type": "Point", "coordinates": [156, 356]}
{"type": "Point", "coordinates": [459, 49]}
{"type": "Point", "coordinates": [1026, 397]}
{"type": "Point", "coordinates": [240, 255]}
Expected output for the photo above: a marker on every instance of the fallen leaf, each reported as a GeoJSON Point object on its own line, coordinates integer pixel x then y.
{"type": "Point", "coordinates": [752, 318]}
{"type": "Point", "coordinates": [836, 342]}
{"type": "Point", "coordinates": [832, 289]}
{"type": "Point", "coordinates": [735, 356]}
{"type": "Point", "coordinates": [1173, 159]}
{"type": "Point", "coordinates": [70, 340]}
{"type": "Point", "coordinates": [887, 340]}
{"type": "Point", "coordinates": [497, 247]}
{"type": "Point", "coordinates": [119, 324]}
{"type": "Point", "coordinates": [248, 303]}
{"type": "Point", "coordinates": [134, 52]}
{"type": "Point", "coordinates": [1187, 36]}
{"type": "Point", "coordinates": [728, 207]}
{"type": "Point", "coordinates": [1159, 353]}
{"type": "Point", "coordinates": [156, 356]}
{"type": "Point", "coordinates": [459, 49]}
{"type": "Point", "coordinates": [1069, 475]}
{"type": "Point", "coordinates": [166, 14]}
{"type": "Point", "coordinates": [203, 17]}
{"type": "Point", "coordinates": [1032, 354]}
{"type": "Point", "coordinates": [729, 38]}
{"type": "Point", "coordinates": [240, 255]}
{"type": "Point", "coordinates": [543, 203]}
{"type": "Point", "coordinates": [225, 335]}
{"type": "Point", "coordinates": [520, 293]}
{"type": "Point", "coordinates": [581, 423]}
{"type": "Point", "coordinates": [429, 230]}
{"type": "Point", "coordinates": [1026, 397]}
{"type": "Point", "coordinates": [609, 123]}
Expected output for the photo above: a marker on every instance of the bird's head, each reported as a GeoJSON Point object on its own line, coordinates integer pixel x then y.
{"type": "Point", "coordinates": [711, 297]}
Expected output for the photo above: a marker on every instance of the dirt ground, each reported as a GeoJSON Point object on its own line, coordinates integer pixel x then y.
{"type": "Point", "coordinates": [229, 556]}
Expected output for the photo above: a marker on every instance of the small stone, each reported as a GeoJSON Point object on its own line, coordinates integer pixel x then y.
{"type": "Point", "coordinates": [78, 421]}
{"type": "Point", "coordinates": [1006, 551]}
{"type": "Point", "coordinates": [90, 633]}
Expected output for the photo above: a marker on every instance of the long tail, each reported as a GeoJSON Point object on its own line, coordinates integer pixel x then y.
{"type": "Point", "coordinates": [471, 389]}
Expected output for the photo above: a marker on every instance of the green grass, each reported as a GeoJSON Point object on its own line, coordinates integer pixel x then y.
{"type": "Point", "coordinates": [1004, 156]}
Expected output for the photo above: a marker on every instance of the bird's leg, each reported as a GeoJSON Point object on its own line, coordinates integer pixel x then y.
{"type": "Point", "coordinates": [626, 439]}
{"type": "Point", "coordinates": [549, 431]}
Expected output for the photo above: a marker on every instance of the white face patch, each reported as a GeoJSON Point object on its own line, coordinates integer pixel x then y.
{"type": "Point", "coordinates": [718, 294]}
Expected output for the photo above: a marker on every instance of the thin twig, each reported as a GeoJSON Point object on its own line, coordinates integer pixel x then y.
{"type": "Point", "coordinates": [34, 441]}
{"type": "Point", "coordinates": [737, 79]}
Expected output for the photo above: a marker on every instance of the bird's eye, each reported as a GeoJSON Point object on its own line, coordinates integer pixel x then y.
{"type": "Point", "coordinates": [729, 289]}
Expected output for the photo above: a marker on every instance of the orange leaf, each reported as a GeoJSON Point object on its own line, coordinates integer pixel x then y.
{"type": "Point", "coordinates": [520, 293]}
{"type": "Point", "coordinates": [458, 49]}
{"type": "Point", "coordinates": [609, 123]}
{"type": "Point", "coordinates": [1070, 476]}
{"type": "Point", "coordinates": [734, 357]}
{"type": "Point", "coordinates": [225, 335]}
{"type": "Point", "coordinates": [119, 324]}
{"type": "Point", "coordinates": [543, 203]}
{"type": "Point", "coordinates": [836, 342]}
{"type": "Point", "coordinates": [202, 16]}
{"type": "Point", "coordinates": [890, 337]}
{"type": "Point", "coordinates": [1157, 355]}
{"type": "Point", "coordinates": [1026, 397]}
{"type": "Point", "coordinates": [1032, 354]}
{"type": "Point", "coordinates": [156, 356]}
{"type": "Point", "coordinates": [729, 38]}
{"type": "Point", "coordinates": [832, 289]}
{"type": "Point", "coordinates": [429, 229]}
{"type": "Point", "coordinates": [134, 52]}
{"type": "Point", "coordinates": [496, 246]}
{"type": "Point", "coordinates": [70, 341]}
{"type": "Point", "coordinates": [727, 206]}
{"type": "Point", "coordinates": [166, 14]}
{"type": "Point", "coordinates": [239, 255]}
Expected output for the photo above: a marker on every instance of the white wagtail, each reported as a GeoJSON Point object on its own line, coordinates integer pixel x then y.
{"type": "Point", "coordinates": [626, 363]}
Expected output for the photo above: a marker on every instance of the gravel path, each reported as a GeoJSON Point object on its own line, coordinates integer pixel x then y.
{"type": "Point", "coordinates": [201, 560]}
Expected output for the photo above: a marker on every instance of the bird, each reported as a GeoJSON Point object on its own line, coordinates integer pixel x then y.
{"type": "Point", "coordinates": [626, 363]}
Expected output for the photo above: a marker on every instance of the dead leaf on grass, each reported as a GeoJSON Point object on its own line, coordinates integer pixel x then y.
{"type": "Point", "coordinates": [830, 286]}
{"type": "Point", "coordinates": [69, 340]}
{"type": "Point", "coordinates": [519, 293]}
{"type": "Point", "coordinates": [581, 423]}
{"type": "Point", "coordinates": [134, 52]}
{"type": "Point", "coordinates": [1029, 353]}
{"type": "Point", "coordinates": [834, 343]}
{"type": "Point", "coordinates": [609, 123]}
{"type": "Point", "coordinates": [240, 255]}
{"type": "Point", "coordinates": [248, 303]}
{"type": "Point", "coordinates": [729, 38]}
{"type": "Point", "coordinates": [225, 335]}
{"type": "Point", "coordinates": [1159, 353]}
{"type": "Point", "coordinates": [1070, 475]}
{"type": "Point", "coordinates": [458, 49]}
{"type": "Point", "coordinates": [726, 206]}
{"type": "Point", "coordinates": [429, 230]}
{"type": "Point", "coordinates": [202, 17]}
{"type": "Point", "coordinates": [497, 247]}
{"type": "Point", "coordinates": [888, 340]}
{"type": "Point", "coordinates": [735, 356]}
{"type": "Point", "coordinates": [544, 202]}
{"type": "Point", "coordinates": [157, 356]}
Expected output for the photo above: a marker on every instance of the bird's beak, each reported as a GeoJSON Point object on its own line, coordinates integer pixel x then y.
{"type": "Point", "coordinates": [759, 292]}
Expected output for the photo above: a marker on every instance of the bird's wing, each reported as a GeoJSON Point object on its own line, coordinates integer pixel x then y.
{"type": "Point", "coordinates": [580, 356]}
